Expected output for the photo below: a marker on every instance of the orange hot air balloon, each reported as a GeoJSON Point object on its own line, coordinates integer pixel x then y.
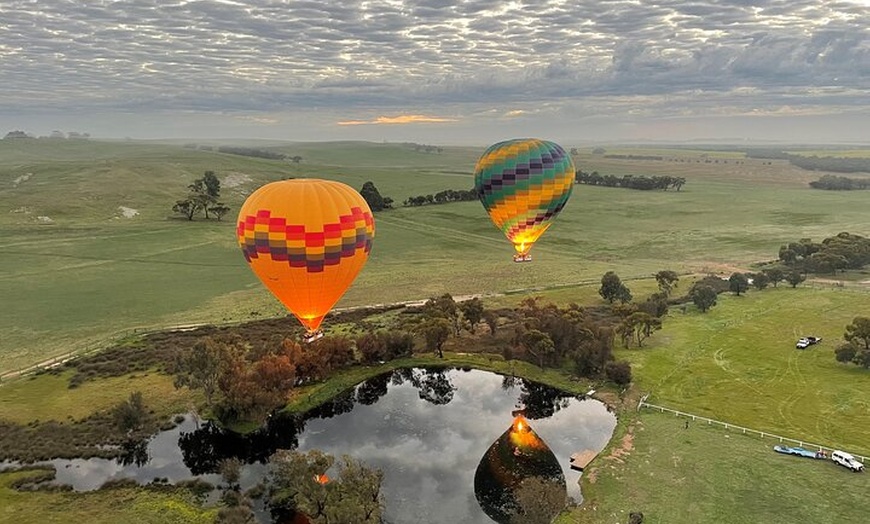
{"type": "Point", "coordinates": [306, 240]}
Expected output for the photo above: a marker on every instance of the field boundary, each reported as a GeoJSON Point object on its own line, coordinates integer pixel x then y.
{"type": "Point", "coordinates": [727, 425]}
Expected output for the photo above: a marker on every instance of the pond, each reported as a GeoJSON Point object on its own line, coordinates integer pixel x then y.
{"type": "Point", "coordinates": [427, 429]}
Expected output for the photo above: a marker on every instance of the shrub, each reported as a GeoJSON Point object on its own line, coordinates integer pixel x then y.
{"type": "Point", "coordinates": [618, 372]}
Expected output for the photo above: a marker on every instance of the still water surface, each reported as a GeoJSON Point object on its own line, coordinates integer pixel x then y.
{"type": "Point", "coordinates": [426, 429]}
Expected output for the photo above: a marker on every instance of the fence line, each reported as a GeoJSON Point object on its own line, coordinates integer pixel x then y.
{"type": "Point", "coordinates": [726, 425]}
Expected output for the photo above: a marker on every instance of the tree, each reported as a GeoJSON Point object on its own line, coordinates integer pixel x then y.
{"type": "Point", "coordinates": [858, 332]}
{"type": "Point", "coordinates": [667, 281]}
{"type": "Point", "coordinates": [618, 372]}
{"type": "Point", "coordinates": [656, 305]}
{"type": "Point", "coordinates": [704, 297]}
{"type": "Point", "coordinates": [201, 367]}
{"type": "Point", "coordinates": [491, 319]}
{"type": "Point", "coordinates": [472, 310]}
{"type": "Point", "coordinates": [623, 295]}
{"type": "Point", "coordinates": [612, 288]}
{"type": "Point", "coordinates": [212, 184]}
{"type": "Point", "coordinates": [639, 325]}
{"type": "Point", "coordinates": [202, 195]}
{"type": "Point", "coordinates": [825, 262]}
{"type": "Point", "coordinates": [775, 274]}
{"type": "Point", "coordinates": [760, 281]}
{"type": "Point", "coordinates": [538, 344]}
{"type": "Point", "coordinates": [131, 413]}
{"type": "Point", "coordinates": [794, 278]}
{"type": "Point", "coordinates": [372, 347]}
{"type": "Point", "coordinates": [230, 470]}
{"type": "Point", "coordinates": [444, 307]}
{"type": "Point", "coordinates": [187, 207]}
{"type": "Point", "coordinates": [846, 353]}
{"type": "Point", "coordinates": [298, 483]}
{"type": "Point", "coordinates": [738, 283]}
{"type": "Point", "coordinates": [199, 193]}
{"type": "Point", "coordinates": [372, 196]}
{"type": "Point", "coordinates": [219, 210]}
{"type": "Point", "coordinates": [863, 359]}
{"type": "Point", "coordinates": [435, 331]}
{"type": "Point", "coordinates": [237, 508]}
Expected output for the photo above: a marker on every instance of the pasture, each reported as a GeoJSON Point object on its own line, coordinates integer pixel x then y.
{"type": "Point", "coordinates": [704, 473]}
{"type": "Point", "coordinates": [737, 363]}
{"type": "Point", "coordinates": [93, 269]}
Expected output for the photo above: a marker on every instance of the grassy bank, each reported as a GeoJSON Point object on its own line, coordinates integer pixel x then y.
{"type": "Point", "coordinates": [106, 506]}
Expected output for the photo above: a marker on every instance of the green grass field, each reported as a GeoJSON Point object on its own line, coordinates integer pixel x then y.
{"type": "Point", "coordinates": [111, 506]}
{"type": "Point", "coordinates": [48, 397]}
{"type": "Point", "coordinates": [738, 363]}
{"type": "Point", "coordinates": [93, 273]}
{"type": "Point", "coordinates": [708, 474]}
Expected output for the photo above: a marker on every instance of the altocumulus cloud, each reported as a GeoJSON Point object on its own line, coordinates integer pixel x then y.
{"type": "Point", "coordinates": [459, 58]}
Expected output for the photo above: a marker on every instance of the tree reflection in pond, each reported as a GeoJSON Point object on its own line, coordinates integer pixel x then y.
{"type": "Point", "coordinates": [134, 452]}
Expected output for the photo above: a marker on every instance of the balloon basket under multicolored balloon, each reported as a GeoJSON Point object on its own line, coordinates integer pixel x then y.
{"type": "Point", "coordinates": [311, 336]}
{"type": "Point", "coordinates": [522, 258]}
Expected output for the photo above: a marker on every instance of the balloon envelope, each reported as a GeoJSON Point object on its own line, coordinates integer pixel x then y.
{"type": "Point", "coordinates": [523, 184]}
{"type": "Point", "coordinates": [306, 240]}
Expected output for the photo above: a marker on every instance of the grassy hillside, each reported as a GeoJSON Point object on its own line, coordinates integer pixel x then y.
{"type": "Point", "coordinates": [109, 256]}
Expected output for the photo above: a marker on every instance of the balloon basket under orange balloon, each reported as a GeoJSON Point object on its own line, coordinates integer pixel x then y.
{"type": "Point", "coordinates": [522, 258]}
{"type": "Point", "coordinates": [311, 336]}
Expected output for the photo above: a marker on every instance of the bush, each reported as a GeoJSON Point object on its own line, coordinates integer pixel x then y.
{"type": "Point", "coordinates": [130, 414]}
{"type": "Point", "coordinates": [618, 372]}
{"type": "Point", "coordinates": [119, 483]}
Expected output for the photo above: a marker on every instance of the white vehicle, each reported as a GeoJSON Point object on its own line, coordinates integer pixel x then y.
{"type": "Point", "coordinates": [846, 460]}
{"type": "Point", "coordinates": [806, 342]}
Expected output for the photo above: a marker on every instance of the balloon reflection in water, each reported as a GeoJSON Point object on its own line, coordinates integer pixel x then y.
{"type": "Point", "coordinates": [519, 478]}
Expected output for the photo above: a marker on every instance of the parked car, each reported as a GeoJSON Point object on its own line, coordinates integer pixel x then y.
{"type": "Point", "coordinates": [806, 342]}
{"type": "Point", "coordinates": [847, 460]}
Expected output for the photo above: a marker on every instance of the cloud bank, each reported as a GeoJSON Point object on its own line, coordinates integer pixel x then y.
{"type": "Point", "coordinates": [457, 60]}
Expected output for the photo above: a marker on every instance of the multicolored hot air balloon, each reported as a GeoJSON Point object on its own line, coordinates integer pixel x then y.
{"type": "Point", "coordinates": [306, 240]}
{"type": "Point", "coordinates": [523, 184]}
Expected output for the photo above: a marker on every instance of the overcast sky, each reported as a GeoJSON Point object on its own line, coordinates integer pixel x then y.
{"type": "Point", "coordinates": [438, 71]}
